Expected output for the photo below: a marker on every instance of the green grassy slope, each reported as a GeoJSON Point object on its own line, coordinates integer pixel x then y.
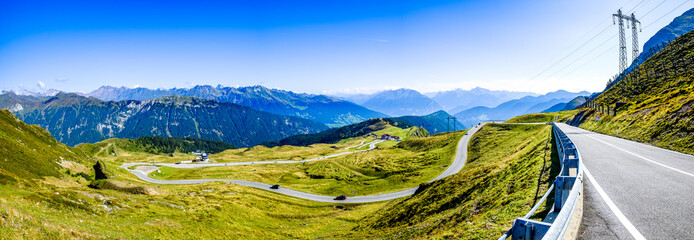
{"type": "Point", "coordinates": [386, 169]}
{"type": "Point", "coordinates": [497, 185]}
{"type": "Point", "coordinates": [204, 211]}
{"type": "Point", "coordinates": [658, 98]}
{"type": "Point", "coordinates": [561, 116]}
{"type": "Point", "coordinates": [61, 206]}
{"type": "Point", "coordinates": [157, 145]}
{"type": "Point", "coordinates": [334, 135]}
{"type": "Point", "coordinates": [29, 152]}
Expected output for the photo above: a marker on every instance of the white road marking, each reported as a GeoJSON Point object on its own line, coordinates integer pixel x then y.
{"type": "Point", "coordinates": [630, 227]}
{"type": "Point", "coordinates": [644, 158]}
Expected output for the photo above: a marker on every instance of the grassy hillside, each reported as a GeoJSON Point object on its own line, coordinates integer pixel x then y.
{"type": "Point", "coordinates": [29, 152]}
{"type": "Point", "coordinates": [334, 135]}
{"type": "Point", "coordinates": [562, 116]}
{"type": "Point", "coordinates": [45, 196]}
{"type": "Point", "coordinates": [497, 185]}
{"type": "Point", "coordinates": [658, 101]}
{"type": "Point", "coordinates": [204, 211]}
{"type": "Point", "coordinates": [434, 123]}
{"type": "Point", "coordinates": [389, 168]}
{"type": "Point", "coordinates": [157, 145]}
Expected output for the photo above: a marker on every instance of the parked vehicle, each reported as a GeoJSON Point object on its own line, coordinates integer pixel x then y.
{"type": "Point", "coordinates": [276, 186]}
{"type": "Point", "coordinates": [178, 163]}
{"type": "Point", "coordinates": [341, 197]}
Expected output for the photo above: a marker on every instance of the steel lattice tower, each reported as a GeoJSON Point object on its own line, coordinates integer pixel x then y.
{"type": "Point", "coordinates": [634, 37]}
{"type": "Point", "coordinates": [622, 38]}
{"type": "Point", "coordinates": [622, 41]}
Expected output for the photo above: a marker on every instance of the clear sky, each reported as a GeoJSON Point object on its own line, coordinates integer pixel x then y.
{"type": "Point", "coordinates": [318, 46]}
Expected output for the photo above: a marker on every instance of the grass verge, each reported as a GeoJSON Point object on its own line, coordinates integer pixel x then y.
{"type": "Point", "coordinates": [497, 185]}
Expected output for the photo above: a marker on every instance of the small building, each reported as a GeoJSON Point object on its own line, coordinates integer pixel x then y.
{"type": "Point", "coordinates": [390, 137]}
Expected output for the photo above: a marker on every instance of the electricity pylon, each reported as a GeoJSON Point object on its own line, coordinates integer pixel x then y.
{"type": "Point", "coordinates": [622, 38]}
{"type": "Point", "coordinates": [448, 120]}
{"type": "Point", "coordinates": [634, 37]}
{"type": "Point", "coordinates": [622, 41]}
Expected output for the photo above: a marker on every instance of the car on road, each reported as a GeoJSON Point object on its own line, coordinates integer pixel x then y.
{"type": "Point", "coordinates": [178, 163]}
{"type": "Point", "coordinates": [276, 186]}
{"type": "Point", "coordinates": [341, 197]}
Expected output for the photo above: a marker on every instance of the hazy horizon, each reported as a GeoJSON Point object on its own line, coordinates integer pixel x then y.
{"type": "Point", "coordinates": [335, 94]}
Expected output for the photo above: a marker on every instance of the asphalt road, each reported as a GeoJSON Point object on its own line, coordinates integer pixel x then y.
{"type": "Point", "coordinates": [455, 167]}
{"type": "Point", "coordinates": [634, 191]}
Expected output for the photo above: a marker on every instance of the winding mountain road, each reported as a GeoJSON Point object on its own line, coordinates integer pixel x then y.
{"type": "Point", "coordinates": [201, 165]}
{"type": "Point", "coordinates": [633, 190]}
{"type": "Point", "coordinates": [455, 167]}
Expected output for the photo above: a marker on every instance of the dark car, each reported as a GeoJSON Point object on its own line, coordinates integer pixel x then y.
{"type": "Point", "coordinates": [341, 197]}
{"type": "Point", "coordinates": [178, 163]}
{"type": "Point", "coordinates": [276, 186]}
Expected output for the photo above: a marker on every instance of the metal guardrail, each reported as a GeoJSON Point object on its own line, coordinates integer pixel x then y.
{"type": "Point", "coordinates": [566, 186]}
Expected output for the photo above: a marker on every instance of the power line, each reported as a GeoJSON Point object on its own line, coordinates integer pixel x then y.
{"type": "Point", "coordinates": [579, 58]}
{"type": "Point", "coordinates": [634, 8]}
{"type": "Point", "coordinates": [591, 60]}
{"type": "Point", "coordinates": [586, 42]}
{"type": "Point", "coordinates": [572, 52]}
{"type": "Point", "coordinates": [661, 17]}
{"type": "Point", "coordinates": [575, 50]}
{"type": "Point", "coordinates": [661, 3]}
{"type": "Point", "coordinates": [625, 4]}
{"type": "Point", "coordinates": [581, 39]}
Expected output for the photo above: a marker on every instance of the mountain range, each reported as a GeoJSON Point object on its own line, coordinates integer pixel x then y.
{"type": "Point", "coordinates": [571, 105]}
{"type": "Point", "coordinates": [402, 102]}
{"type": "Point", "coordinates": [74, 119]}
{"type": "Point", "coordinates": [327, 110]}
{"type": "Point", "coordinates": [516, 107]}
{"type": "Point", "coordinates": [399, 102]}
{"type": "Point", "coordinates": [459, 100]}
{"type": "Point", "coordinates": [679, 26]}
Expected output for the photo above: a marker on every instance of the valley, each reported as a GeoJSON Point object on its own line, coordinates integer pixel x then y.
{"type": "Point", "coordinates": [63, 203]}
{"type": "Point", "coordinates": [380, 168]}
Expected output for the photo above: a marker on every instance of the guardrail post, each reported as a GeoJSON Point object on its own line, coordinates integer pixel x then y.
{"type": "Point", "coordinates": [562, 188]}
{"type": "Point", "coordinates": [526, 229]}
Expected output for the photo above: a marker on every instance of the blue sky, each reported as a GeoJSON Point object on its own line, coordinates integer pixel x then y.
{"type": "Point", "coordinates": [317, 46]}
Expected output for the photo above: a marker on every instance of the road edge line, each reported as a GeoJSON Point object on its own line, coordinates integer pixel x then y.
{"type": "Point", "coordinates": [620, 216]}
